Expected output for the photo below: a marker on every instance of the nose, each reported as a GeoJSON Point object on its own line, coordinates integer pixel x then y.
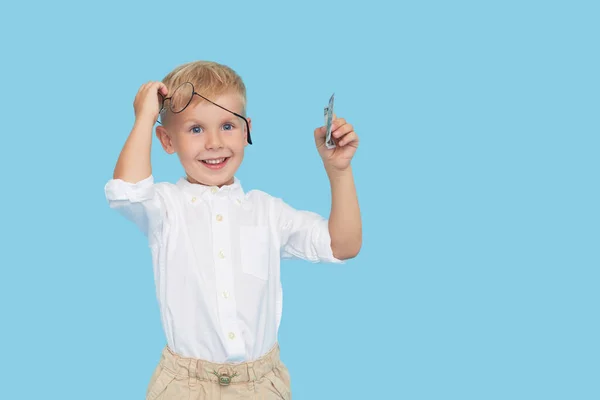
{"type": "Point", "coordinates": [213, 141]}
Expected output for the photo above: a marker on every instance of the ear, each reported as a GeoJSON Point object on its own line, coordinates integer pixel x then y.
{"type": "Point", "coordinates": [165, 139]}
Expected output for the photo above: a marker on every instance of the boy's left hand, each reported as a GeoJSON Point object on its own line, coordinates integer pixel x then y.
{"type": "Point", "coordinates": [346, 141]}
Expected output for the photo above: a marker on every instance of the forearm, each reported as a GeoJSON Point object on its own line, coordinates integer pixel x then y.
{"type": "Point", "coordinates": [345, 226]}
{"type": "Point", "coordinates": [134, 164]}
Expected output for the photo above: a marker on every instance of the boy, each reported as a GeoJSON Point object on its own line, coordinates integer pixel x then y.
{"type": "Point", "coordinates": [216, 250]}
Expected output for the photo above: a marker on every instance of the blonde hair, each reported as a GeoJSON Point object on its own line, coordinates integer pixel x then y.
{"type": "Point", "coordinates": [210, 79]}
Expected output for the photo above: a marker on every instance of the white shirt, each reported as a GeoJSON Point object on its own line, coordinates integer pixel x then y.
{"type": "Point", "coordinates": [216, 255]}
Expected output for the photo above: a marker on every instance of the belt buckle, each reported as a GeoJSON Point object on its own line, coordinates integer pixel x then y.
{"type": "Point", "coordinates": [224, 377]}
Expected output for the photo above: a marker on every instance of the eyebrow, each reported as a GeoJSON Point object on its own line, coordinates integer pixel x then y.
{"type": "Point", "coordinates": [229, 118]}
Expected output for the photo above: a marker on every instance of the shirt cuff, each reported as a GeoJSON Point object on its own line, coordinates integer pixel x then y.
{"type": "Point", "coordinates": [118, 189]}
{"type": "Point", "coordinates": [323, 244]}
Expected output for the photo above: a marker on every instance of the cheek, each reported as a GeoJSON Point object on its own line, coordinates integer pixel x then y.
{"type": "Point", "coordinates": [237, 144]}
{"type": "Point", "coordinates": [186, 145]}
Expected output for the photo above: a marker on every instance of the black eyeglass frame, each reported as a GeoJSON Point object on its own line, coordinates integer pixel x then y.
{"type": "Point", "coordinates": [164, 99]}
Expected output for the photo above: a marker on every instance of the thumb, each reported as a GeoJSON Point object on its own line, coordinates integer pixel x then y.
{"type": "Point", "coordinates": [163, 89]}
{"type": "Point", "coordinates": [320, 133]}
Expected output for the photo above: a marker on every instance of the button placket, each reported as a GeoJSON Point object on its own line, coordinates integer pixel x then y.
{"type": "Point", "coordinates": [224, 278]}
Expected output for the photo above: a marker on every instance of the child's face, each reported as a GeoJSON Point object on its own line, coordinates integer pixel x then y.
{"type": "Point", "coordinates": [208, 140]}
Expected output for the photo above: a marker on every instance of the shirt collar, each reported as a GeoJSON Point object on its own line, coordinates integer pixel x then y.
{"type": "Point", "coordinates": [234, 191]}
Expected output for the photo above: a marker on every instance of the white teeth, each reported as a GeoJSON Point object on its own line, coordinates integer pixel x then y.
{"type": "Point", "coordinates": [215, 161]}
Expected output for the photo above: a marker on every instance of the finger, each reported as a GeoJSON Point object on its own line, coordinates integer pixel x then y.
{"type": "Point", "coordinates": [163, 89]}
{"type": "Point", "coordinates": [337, 122]}
{"type": "Point", "coordinates": [146, 87]}
{"type": "Point", "coordinates": [350, 138]}
{"type": "Point", "coordinates": [320, 132]}
{"type": "Point", "coordinates": [342, 130]}
{"type": "Point", "coordinates": [160, 88]}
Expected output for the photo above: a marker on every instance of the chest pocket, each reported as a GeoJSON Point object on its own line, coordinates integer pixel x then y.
{"type": "Point", "coordinates": [255, 250]}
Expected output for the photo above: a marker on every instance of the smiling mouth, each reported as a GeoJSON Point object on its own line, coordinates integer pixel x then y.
{"type": "Point", "coordinates": [215, 163]}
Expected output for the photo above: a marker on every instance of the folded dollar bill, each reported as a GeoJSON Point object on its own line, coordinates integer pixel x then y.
{"type": "Point", "coordinates": [329, 143]}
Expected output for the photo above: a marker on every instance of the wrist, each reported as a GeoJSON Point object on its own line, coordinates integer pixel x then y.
{"type": "Point", "coordinates": [144, 121]}
{"type": "Point", "coordinates": [338, 173]}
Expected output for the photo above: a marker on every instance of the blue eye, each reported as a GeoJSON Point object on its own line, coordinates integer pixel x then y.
{"type": "Point", "coordinates": [196, 129]}
{"type": "Point", "coordinates": [228, 127]}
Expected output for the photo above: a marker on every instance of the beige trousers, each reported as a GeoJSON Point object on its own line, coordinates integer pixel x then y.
{"type": "Point", "coordinates": [179, 378]}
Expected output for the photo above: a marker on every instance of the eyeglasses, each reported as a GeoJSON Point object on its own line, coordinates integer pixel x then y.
{"type": "Point", "coordinates": [182, 97]}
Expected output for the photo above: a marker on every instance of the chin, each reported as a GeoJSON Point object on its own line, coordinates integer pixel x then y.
{"type": "Point", "coordinates": [210, 179]}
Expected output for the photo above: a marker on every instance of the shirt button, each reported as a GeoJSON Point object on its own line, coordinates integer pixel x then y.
{"type": "Point", "coordinates": [226, 294]}
{"type": "Point", "coordinates": [238, 201]}
{"type": "Point", "coordinates": [193, 199]}
{"type": "Point", "coordinates": [231, 335]}
{"type": "Point", "coordinates": [221, 254]}
{"type": "Point", "coordinates": [213, 190]}
{"type": "Point", "coordinates": [219, 217]}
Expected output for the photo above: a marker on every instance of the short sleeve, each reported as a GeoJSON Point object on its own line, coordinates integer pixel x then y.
{"type": "Point", "coordinates": [304, 235]}
{"type": "Point", "coordinates": [138, 202]}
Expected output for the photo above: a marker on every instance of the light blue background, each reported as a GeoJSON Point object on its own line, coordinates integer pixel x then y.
{"type": "Point", "coordinates": [477, 176]}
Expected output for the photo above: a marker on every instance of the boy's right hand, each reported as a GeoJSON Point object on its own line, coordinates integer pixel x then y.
{"type": "Point", "coordinates": [147, 101]}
